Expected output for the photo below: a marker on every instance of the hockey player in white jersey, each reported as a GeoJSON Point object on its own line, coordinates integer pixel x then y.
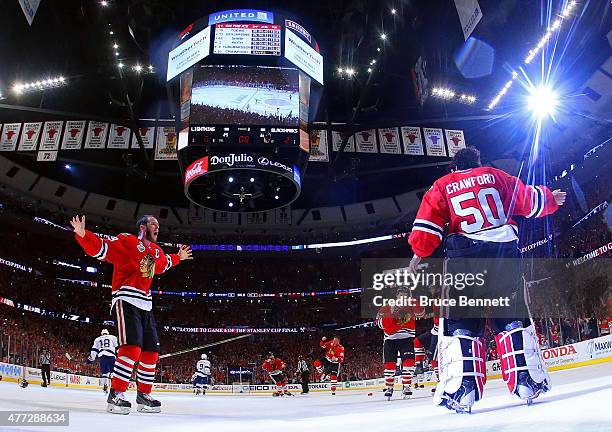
{"type": "Point", "coordinates": [202, 375]}
{"type": "Point", "coordinates": [104, 347]}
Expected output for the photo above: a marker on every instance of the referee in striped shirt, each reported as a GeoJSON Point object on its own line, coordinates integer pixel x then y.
{"type": "Point", "coordinates": [303, 371]}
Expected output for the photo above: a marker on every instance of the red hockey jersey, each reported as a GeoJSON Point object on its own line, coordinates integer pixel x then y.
{"type": "Point", "coordinates": [478, 203]}
{"type": "Point", "coordinates": [333, 353]}
{"type": "Point", "coordinates": [134, 265]}
{"type": "Point", "coordinates": [274, 367]}
{"type": "Point", "coordinates": [398, 322]}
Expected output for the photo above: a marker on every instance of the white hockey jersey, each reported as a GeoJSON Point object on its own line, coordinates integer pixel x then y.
{"type": "Point", "coordinates": [203, 367]}
{"type": "Point", "coordinates": [104, 346]}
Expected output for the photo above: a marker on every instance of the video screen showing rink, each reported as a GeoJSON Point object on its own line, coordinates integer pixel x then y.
{"type": "Point", "coordinates": [245, 95]}
{"type": "Point", "coordinates": [579, 401]}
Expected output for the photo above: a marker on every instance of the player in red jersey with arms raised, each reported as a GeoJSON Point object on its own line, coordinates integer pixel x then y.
{"type": "Point", "coordinates": [332, 360]}
{"type": "Point", "coordinates": [136, 260]}
{"type": "Point", "coordinates": [398, 325]}
{"type": "Point", "coordinates": [276, 368]}
{"type": "Point", "coordinates": [478, 204]}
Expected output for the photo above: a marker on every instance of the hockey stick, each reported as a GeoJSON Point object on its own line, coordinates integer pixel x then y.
{"type": "Point", "coordinates": [204, 346]}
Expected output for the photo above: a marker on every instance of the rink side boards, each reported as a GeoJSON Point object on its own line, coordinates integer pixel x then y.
{"type": "Point", "coordinates": [571, 356]}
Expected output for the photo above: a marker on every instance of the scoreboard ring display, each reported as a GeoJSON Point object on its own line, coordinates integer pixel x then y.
{"type": "Point", "coordinates": [246, 79]}
{"type": "Point", "coordinates": [242, 180]}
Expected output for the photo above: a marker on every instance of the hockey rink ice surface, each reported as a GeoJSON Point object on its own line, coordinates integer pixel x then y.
{"type": "Point", "coordinates": [581, 400]}
{"type": "Point", "coordinates": [260, 101]}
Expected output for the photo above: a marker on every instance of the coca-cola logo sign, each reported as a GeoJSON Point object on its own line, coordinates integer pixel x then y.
{"type": "Point", "coordinates": [196, 169]}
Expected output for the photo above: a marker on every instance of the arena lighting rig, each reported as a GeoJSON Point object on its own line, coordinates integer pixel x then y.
{"type": "Point", "coordinates": [245, 81]}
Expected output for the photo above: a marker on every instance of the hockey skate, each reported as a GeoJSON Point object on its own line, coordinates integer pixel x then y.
{"type": "Point", "coordinates": [389, 393]}
{"type": "Point", "coordinates": [528, 389]}
{"type": "Point", "coordinates": [105, 389]}
{"type": "Point", "coordinates": [146, 404]}
{"type": "Point", "coordinates": [277, 393]}
{"type": "Point", "coordinates": [462, 400]}
{"type": "Point", "coordinates": [287, 393]}
{"type": "Point", "coordinates": [407, 391]}
{"type": "Point", "coordinates": [197, 392]}
{"type": "Point", "coordinates": [117, 403]}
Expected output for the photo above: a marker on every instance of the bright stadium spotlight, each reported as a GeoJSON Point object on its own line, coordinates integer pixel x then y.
{"type": "Point", "coordinates": [542, 101]}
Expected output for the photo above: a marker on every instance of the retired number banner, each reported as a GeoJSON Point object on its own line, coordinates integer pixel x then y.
{"type": "Point", "coordinates": [119, 137]}
{"type": "Point", "coordinates": [366, 141]}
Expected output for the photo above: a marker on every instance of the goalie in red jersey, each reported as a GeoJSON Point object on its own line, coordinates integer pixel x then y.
{"type": "Point", "coordinates": [478, 205]}
{"type": "Point", "coordinates": [136, 261]}
{"type": "Point", "coordinates": [329, 366]}
{"type": "Point", "coordinates": [398, 325]}
{"type": "Point", "coordinates": [276, 368]}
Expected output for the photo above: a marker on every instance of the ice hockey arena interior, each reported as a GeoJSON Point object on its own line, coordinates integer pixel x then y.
{"type": "Point", "coordinates": [306, 215]}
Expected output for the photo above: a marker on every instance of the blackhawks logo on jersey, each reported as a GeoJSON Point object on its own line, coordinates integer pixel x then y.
{"type": "Point", "coordinates": [147, 267]}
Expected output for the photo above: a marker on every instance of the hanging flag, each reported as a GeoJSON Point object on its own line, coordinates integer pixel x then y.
{"type": "Point", "coordinates": [434, 142]}
{"type": "Point", "coordinates": [389, 140]}
{"type": "Point", "coordinates": [29, 8]}
{"type": "Point", "coordinates": [470, 15]}
{"type": "Point", "coordinates": [366, 141]}
{"type": "Point", "coordinates": [10, 136]}
{"type": "Point", "coordinates": [319, 151]}
{"type": "Point", "coordinates": [73, 135]}
{"type": "Point", "coordinates": [96, 135]}
{"type": "Point", "coordinates": [29, 136]}
{"type": "Point", "coordinates": [413, 140]}
{"type": "Point", "coordinates": [119, 137]}
{"type": "Point", "coordinates": [337, 138]}
{"type": "Point", "coordinates": [165, 144]}
{"type": "Point", "coordinates": [147, 134]}
{"type": "Point", "coordinates": [51, 135]}
{"type": "Point", "coordinates": [454, 140]}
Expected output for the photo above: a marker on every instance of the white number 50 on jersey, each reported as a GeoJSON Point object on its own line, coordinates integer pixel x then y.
{"type": "Point", "coordinates": [479, 214]}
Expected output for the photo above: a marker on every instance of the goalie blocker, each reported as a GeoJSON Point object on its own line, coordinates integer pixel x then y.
{"type": "Point", "coordinates": [461, 349]}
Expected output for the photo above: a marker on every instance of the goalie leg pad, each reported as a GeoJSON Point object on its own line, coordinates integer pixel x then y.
{"type": "Point", "coordinates": [523, 368]}
{"type": "Point", "coordinates": [462, 366]}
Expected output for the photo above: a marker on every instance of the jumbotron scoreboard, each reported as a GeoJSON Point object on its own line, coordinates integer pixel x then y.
{"type": "Point", "coordinates": [245, 80]}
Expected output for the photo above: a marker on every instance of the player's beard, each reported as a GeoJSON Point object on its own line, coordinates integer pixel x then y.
{"type": "Point", "coordinates": [151, 236]}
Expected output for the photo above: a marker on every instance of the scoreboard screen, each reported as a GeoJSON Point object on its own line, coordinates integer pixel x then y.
{"type": "Point", "coordinates": [244, 105]}
{"type": "Point", "coordinates": [248, 39]}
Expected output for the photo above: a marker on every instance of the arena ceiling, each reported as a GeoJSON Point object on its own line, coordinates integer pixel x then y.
{"type": "Point", "coordinates": [72, 38]}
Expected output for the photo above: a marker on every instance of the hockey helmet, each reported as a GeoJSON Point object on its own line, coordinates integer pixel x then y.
{"type": "Point", "coordinates": [204, 356]}
{"type": "Point", "coordinates": [104, 332]}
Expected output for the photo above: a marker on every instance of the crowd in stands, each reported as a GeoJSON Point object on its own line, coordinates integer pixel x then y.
{"type": "Point", "coordinates": [217, 115]}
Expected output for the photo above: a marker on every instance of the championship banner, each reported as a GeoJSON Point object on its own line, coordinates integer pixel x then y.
{"type": "Point", "coordinates": [73, 135]}
{"type": "Point", "coordinates": [165, 144]}
{"type": "Point", "coordinates": [319, 150]}
{"type": "Point", "coordinates": [413, 140]}
{"type": "Point", "coordinates": [51, 136]}
{"type": "Point", "coordinates": [119, 137]}
{"type": "Point", "coordinates": [366, 141]}
{"type": "Point", "coordinates": [337, 142]}
{"type": "Point", "coordinates": [434, 142]}
{"type": "Point", "coordinates": [147, 134]}
{"type": "Point", "coordinates": [10, 136]}
{"type": "Point", "coordinates": [455, 141]}
{"type": "Point", "coordinates": [96, 135]}
{"type": "Point", "coordinates": [29, 137]}
{"type": "Point", "coordinates": [389, 140]}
